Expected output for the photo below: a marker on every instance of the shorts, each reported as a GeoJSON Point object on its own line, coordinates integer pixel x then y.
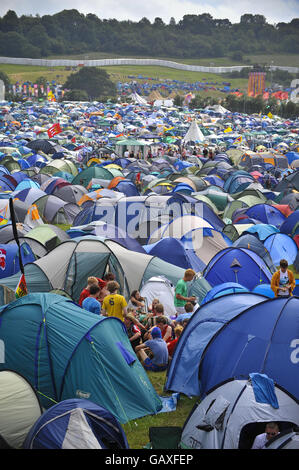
{"type": "Point", "coordinates": [180, 310]}
{"type": "Point", "coordinates": [149, 365]}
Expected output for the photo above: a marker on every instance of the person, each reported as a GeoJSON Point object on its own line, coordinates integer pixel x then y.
{"type": "Point", "coordinates": [181, 290]}
{"type": "Point", "coordinates": [104, 291]}
{"type": "Point", "coordinates": [283, 281]}
{"type": "Point", "coordinates": [158, 350]}
{"type": "Point", "coordinates": [172, 344]}
{"type": "Point", "coordinates": [91, 302]}
{"type": "Point", "coordinates": [261, 440]}
{"type": "Point", "coordinates": [114, 304]}
{"type": "Point", "coordinates": [90, 281]}
{"type": "Point", "coordinates": [136, 301]}
{"type": "Point", "coordinates": [205, 152]}
{"type": "Point", "coordinates": [133, 331]}
{"type": "Point", "coordinates": [211, 155]}
{"type": "Point", "coordinates": [189, 309]}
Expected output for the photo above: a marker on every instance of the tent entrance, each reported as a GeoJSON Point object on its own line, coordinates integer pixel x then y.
{"type": "Point", "coordinates": [251, 430]}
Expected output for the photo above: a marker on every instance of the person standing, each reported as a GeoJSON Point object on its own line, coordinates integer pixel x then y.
{"type": "Point", "coordinates": [283, 281]}
{"type": "Point", "coordinates": [91, 302]}
{"type": "Point", "coordinates": [181, 291]}
{"type": "Point", "coordinates": [114, 304]}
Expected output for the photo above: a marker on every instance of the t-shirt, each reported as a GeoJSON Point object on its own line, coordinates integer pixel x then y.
{"type": "Point", "coordinates": [180, 288]}
{"type": "Point", "coordinates": [260, 441]}
{"type": "Point", "coordinates": [114, 304]}
{"type": "Point", "coordinates": [159, 350]}
{"type": "Point", "coordinates": [284, 280]}
{"type": "Point", "coordinates": [92, 305]}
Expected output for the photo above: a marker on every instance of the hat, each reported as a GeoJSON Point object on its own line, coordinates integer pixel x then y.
{"type": "Point", "coordinates": [156, 332]}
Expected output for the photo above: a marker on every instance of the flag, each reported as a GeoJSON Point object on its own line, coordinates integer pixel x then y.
{"type": "Point", "coordinates": [55, 129]}
{"type": "Point", "coordinates": [228, 129]}
{"type": "Point", "coordinates": [270, 115]}
{"type": "Point", "coordinates": [238, 140]}
{"type": "Point", "coordinates": [73, 140]}
{"type": "Point", "coordinates": [21, 288]}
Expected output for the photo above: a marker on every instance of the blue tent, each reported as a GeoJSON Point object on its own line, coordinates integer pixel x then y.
{"type": "Point", "coordinates": [291, 225]}
{"type": "Point", "coordinates": [266, 214]}
{"type": "Point", "coordinates": [9, 258]}
{"type": "Point", "coordinates": [238, 265]}
{"type": "Point", "coordinates": [251, 242]}
{"type": "Point", "coordinates": [223, 289]}
{"type": "Point", "coordinates": [76, 423]}
{"type": "Point", "coordinates": [264, 339]}
{"type": "Point", "coordinates": [264, 289]}
{"type": "Point", "coordinates": [127, 187]}
{"type": "Point", "coordinates": [238, 181]}
{"type": "Point", "coordinates": [262, 231]}
{"type": "Point", "coordinates": [205, 323]}
{"type": "Point", "coordinates": [173, 251]}
{"type": "Point", "coordinates": [67, 352]}
{"type": "Point", "coordinates": [281, 246]}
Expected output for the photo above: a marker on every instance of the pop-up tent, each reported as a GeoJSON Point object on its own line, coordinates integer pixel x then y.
{"type": "Point", "coordinates": [19, 406]}
{"type": "Point", "coordinates": [76, 423]}
{"type": "Point", "coordinates": [67, 352]}
{"type": "Point", "coordinates": [236, 411]}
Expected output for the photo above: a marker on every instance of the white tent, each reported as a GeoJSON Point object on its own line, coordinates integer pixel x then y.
{"type": "Point", "coordinates": [166, 103]}
{"type": "Point", "coordinates": [230, 417]}
{"type": "Point", "coordinates": [160, 288]}
{"type": "Point", "coordinates": [138, 99]}
{"type": "Point", "coordinates": [218, 109]}
{"type": "Point", "coordinates": [194, 133]}
{"type": "Point", "coordinates": [19, 408]}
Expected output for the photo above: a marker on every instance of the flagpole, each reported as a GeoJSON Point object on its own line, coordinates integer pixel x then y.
{"type": "Point", "coordinates": [16, 237]}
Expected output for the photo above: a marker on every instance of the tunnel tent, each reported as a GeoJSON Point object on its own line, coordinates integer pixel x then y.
{"type": "Point", "coordinates": [20, 408]}
{"type": "Point", "coordinates": [235, 412]}
{"type": "Point", "coordinates": [54, 341]}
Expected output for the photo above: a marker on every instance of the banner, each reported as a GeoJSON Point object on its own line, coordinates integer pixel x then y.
{"type": "Point", "coordinates": [21, 288]}
{"type": "Point", "coordinates": [55, 129]}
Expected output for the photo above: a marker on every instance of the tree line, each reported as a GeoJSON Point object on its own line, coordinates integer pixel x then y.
{"type": "Point", "coordinates": [194, 36]}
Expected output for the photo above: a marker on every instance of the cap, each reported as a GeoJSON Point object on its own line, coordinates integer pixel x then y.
{"type": "Point", "coordinates": [156, 332]}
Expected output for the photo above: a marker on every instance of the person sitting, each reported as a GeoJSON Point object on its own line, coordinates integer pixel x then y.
{"type": "Point", "coordinates": [133, 331]}
{"type": "Point", "coordinates": [114, 304]}
{"type": "Point", "coordinates": [158, 350]}
{"type": "Point", "coordinates": [157, 310]}
{"type": "Point", "coordinates": [172, 344]}
{"type": "Point", "coordinates": [261, 440]}
{"type": "Point", "coordinates": [283, 281]}
{"type": "Point", "coordinates": [91, 302]}
{"type": "Point", "coordinates": [189, 309]}
{"type": "Point", "coordinates": [136, 301]}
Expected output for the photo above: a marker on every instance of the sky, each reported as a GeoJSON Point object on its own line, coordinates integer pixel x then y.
{"type": "Point", "coordinates": [275, 11]}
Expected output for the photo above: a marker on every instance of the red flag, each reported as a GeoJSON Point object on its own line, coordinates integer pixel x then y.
{"type": "Point", "coordinates": [55, 129]}
{"type": "Point", "coordinates": [266, 95]}
{"type": "Point", "coordinates": [21, 288]}
{"type": "Point", "coordinates": [73, 140]}
{"type": "Point", "coordinates": [138, 177]}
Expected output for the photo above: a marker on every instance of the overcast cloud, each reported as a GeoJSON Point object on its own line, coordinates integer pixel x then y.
{"type": "Point", "coordinates": [274, 10]}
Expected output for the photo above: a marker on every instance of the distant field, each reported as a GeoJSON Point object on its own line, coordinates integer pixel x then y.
{"type": "Point", "coordinates": [122, 73]}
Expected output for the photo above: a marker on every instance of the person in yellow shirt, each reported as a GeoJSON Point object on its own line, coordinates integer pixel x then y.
{"type": "Point", "coordinates": [114, 304]}
{"type": "Point", "coordinates": [283, 281]}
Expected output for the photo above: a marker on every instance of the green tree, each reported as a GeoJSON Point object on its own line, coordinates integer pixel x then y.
{"type": "Point", "coordinates": [75, 95]}
{"type": "Point", "coordinates": [95, 81]}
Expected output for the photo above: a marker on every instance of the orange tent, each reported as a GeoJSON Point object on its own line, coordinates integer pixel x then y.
{"type": "Point", "coordinates": [114, 182]}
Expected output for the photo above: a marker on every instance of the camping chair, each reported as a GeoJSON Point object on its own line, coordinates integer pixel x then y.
{"type": "Point", "coordinates": [167, 437]}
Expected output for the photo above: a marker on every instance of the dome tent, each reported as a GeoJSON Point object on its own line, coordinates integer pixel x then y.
{"type": "Point", "coordinates": [238, 265]}
{"type": "Point", "coordinates": [19, 408]}
{"type": "Point", "coordinates": [160, 288]}
{"type": "Point", "coordinates": [56, 340]}
{"type": "Point", "coordinates": [76, 424]}
{"type": "Point", "coordinates": [232, 414]}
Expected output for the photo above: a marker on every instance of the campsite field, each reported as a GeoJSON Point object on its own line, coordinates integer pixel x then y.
{"type": "Point", "coordinates": [137, 431]}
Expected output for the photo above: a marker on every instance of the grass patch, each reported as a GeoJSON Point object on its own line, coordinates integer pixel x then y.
{"type": "Point", "coordinates": [292, 268]}
{"type": "Point", "coordinates": [137, 431]}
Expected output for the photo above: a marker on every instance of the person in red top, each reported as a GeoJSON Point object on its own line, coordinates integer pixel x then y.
{"type": "Point", "coordinates": [90, 281]}
{"type": "Point", "coordinates": [172, 344]}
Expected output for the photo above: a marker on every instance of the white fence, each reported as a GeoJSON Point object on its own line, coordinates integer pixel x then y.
{"type": "Point", "coordinates": [111, 62]}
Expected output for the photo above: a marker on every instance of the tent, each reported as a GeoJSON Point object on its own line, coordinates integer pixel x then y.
{"type": "Point", "coordinates": [281, 246]}
{"type": "Point", "coordinates": [160, 288]}
{"type": "Point", "coordinates": [288, 439]}
{"type": "Point", "coordinates": [235, 412]}
{"type": "Point", "coordinates": [249, 241]}
{"type": "Point", "coordinates": [194, 134]}
{"type": "Point", "coordinates": [19, 406]}
{"type": "Point", "coordinates": [266, 214]}
{"type": "Point", "coordinates": [206, 322]}
{"type": "Point", "coordinates": [9, 258]}
{"type": "Point", "coordinates": [76, 423]}
{"type": "Point", "coordinates": [67, 352]}
{"type": "Point", "coordinates": [223, 289]}
{"type": "Point", "coordinates": [238, 265]}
